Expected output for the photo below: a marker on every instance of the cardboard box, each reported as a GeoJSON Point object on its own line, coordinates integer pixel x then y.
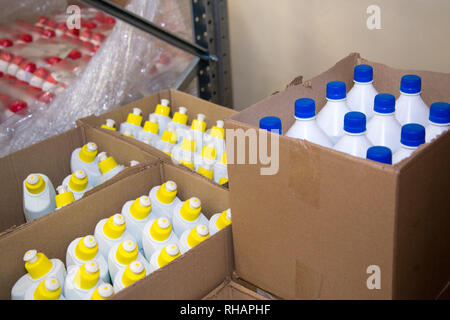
{"type": "Point", "coordinates": [191, 276]}
{"type": "Point", "coordinates": [230, 290]}
{"type": "Point", "coordinates": [52, 158]}
{"type": "Point", "coordinates": [327, 223]}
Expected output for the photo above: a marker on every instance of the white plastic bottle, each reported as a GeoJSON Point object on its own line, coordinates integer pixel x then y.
{"type": "Point", "coordinates": [305, 126]}
{"type": "Point", "coordinates": [184, 153]}
{"type": "Point", "coordinates": [197, 130]}
{"type": "Point", "coordinates": [168, 139]}
{"type": "Point", "coordinates": [39, 268]}
{"type": "Point", "coordinates": [410, 108]}
{"type": "Point", "coordinates": [78, 183]}
{"type": "Point", "coordinates": [108, 167]}
{"type": "Point", "coordinates": [85, 158]}
{"type": "Point", "coordinates": [187, 215]}
{"type": "Point", "coordinates": [413, 135]}
{"type": "Point", "coordinates": [360, 97]}
{"type": "Point", "coordinates": [133, 123]}
{"type": "Point", "coordinates": [137, 213]}
{"type": "Point", "coordinates": [64, 197]}
{"type": "Point", "coordinates": [180, 119]}
{"type": "Point", "coordinates": [439, 120]}
{"type": "Point", "coordinates": [384, 129]}
{"type": "Point", "coordinates": [150, 131]}
{"type": "Point", "coordinates": [331, 117]}
{"type": "Point", "coordinates": [192, 237]}
{"type": "Point", "coordinates": [128, 132]}
{"type": "Point", "coordinates": [104, 291]}
{"type": "Point", "coordinates": [380, 154]}
{"type": "Point", "coordinates": [81, 281]}
{"type": "Point", "coordinates": [219, 221]}
{"type": "Point", "coordinates": [122, 254]}
{"type": "Point", "coordinates": [110, 232]}
{"type": "Point", "coordinates": [216, 135]}
{"type": "Point", "coordinates": [164, 256]}
{"type": "Point", "coordinates": [354, 141]}
{"type": "Point", "coordinates": [134, 272]}
{"type": "Point", "coordinates": [220, 170]}
{"type": "Point", "coordinates": [38, 196]}
{"type": "Point", "coordinates": [85, 249]}
{"type": "Point", "coordinates": [48, 289]}
{"type": "Point", "coordinates": [206, 168]}
{"type": "Point", "coordinates": [110, 124]}
{"type": "Point", "coordinates": [157, 233]}
{"type": "Point", "coordinates": [164, 199]}
{"type": "Point", "coordinates": [162, 113]}
{"type": "Point", "coordinates": [208, 152]}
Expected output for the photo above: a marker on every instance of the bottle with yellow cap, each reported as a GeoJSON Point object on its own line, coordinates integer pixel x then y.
{"type": "Point", "coordinates": [110, 124]}
{"type": "Point", "coordinates": [150, 131]}
{"type": "Point", "coordinates": [108, 167]}
{"type": "Point", "coordinates": [197, 130]}
{"type": "Point", "coordinates": [104, 291]}
{"type": "Point", "coordinates": [219, 221]}
{"type": "Point", "coordinates": [208, 152]}
{"type": "Point", "coordinates": [164, 256]}
{"type": "Point", "coordinates": [156, 235]}
{"type": "Point", "coordinates": [188, 214]}
{"type": "Point", "coordinates": [64, 197]}
{"type": "Point", "coordinates": [48, 289]}
{"type": "Point", "coordinates": [206, 168]}
{"type": "Point", "coordinates": [133, 123]}
{"type": "Point", "coordinates": [85, 249]}
{"type": "Point", "coordinates": [162, 112]}
{"type": "Point", "coordinates": [122, 254]}
{"type": "Point", "coordinates": [78, 183]}
{"type": "Point", "coordinates": [137, 213]}
{"type": "Point", "coordinates": [134, 272]}
{"type": "Point", "coordinates": [38, 196]}
{"type": "Point", "coordinates": [220, 169]}
{"type": "Point", "coordinates": [192, 237]}
{"type": "Point", "coordinates": [216, 135]}
{"type": "Point", "coordinates": [127, 132]}
{"type": "Point", "coordinates": [85, 158]}
{"type": "Point", "coordinates": [179, 120]}
{"type": "Point", "coordinates": [164, 199]}
{"type": "Point", "coordinates": [168, 139]}
{"type": "Point", "coordinates": [185, 152]}
{"type": "Point", "coordinates": [81, 281]}
{"type": "Point", "coordinates": [110, 232]}
{"type": "Point", "coordinates": [39, 268]}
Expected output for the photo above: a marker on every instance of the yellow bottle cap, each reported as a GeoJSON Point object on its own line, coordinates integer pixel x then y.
{"type": "Point", "coordinates": [133, 272]}
{"type": "Point", "coordinates": [163, 108]}
{"type": "Point", "coordinates": [161, 229]}
{"type": "Point", "coordinates": [103, 292]}
{"type": "Point", "coordinates": [114, 227]}
{"type": "Point", "coordinates": [110, 125]}
{"type": "Point", "coordinates": [78, 181]}
{"type": "Point", "coordinates": [223, 159]}
{"type": "Point", "coordinates": [37, 264]}
{"type": "Point", "coordinates": [180, 116]}
{"type": "Point", "coordinates": [64, 197]}
{"type": "Point", "coordinates": [87, 276]}
{"type": "Point", "coordinates": [48, 289]}
{"type": "Point", "coordinates": [88, 152]}
{"type": "Point", "coordinates": [106, 163]}
{"type": "Point", "coordinates": [218, 131]}
{"type": "Point", "coordinates": [169, 136]}
{"type": "Point", "coordinates": [224, 219]}
{"type": "Point", "coordinates": [135, 117]}
{"type": "Point", "coordinates": [191, 209]}
{"type": "Point", "coordinates": [141, 207]}
{"type": "Point", "coordinates": [87, 248]}
{"type": "Point", "coordinates": [188, 145]}
{"type": "Point", "coordinates": [152, 127]}
{"type": "Point", "coordinates": [197, 235]}
{"type": "Point", "coordinates": [167, 192]}
{"type": "Point", "coordinates": [187, 163]}
{"type": "Point", "coordinates": [199, 124]}
{"type": "Point", "coordinates": [168, 254]}
{"type": "Point", "coordinates": [209, 152]}
{"type": "Point", "coordinates": [127, 252]}
{"type": "Point", "coordinates": [34, 184]}
{"type": "Point", "coordinates": [206, 173]}
{"type": "Point", "coordinates": [222, 181]}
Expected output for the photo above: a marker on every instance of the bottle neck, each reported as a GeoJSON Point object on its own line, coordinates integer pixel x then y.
{"type": "Point", "coordinates": [351, 134]}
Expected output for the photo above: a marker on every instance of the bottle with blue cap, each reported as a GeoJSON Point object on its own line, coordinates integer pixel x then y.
{"type": "Point", "coordinates": [384, 129]}
{"type": "Point", "coordinates": [380, 154]}
{"type": "Point", "coordinates": [272, 124]}
{"type": "Point", "coordinates": [331, 117]}
{"type": "Point", "coordinates": [439, 120]}
{"type": "Point", "coordinates": [354, 141]}
{"type": "Point", "coordinates": [410, 107]}
{"type": "Point", "coordinates": [360, 97]}
{"type": "Point", "coordinates": [413, 136]}
{"type": "Point", "coordinates": [305, 126]}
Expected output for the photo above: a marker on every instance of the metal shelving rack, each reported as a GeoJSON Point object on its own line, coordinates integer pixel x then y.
{"type": "Point", "coordinates": [211, 49]}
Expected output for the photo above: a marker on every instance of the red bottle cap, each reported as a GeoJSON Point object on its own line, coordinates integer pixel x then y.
{"type": "Point", "coordinates": [45, 97]}
{"type": "Point", "coordinates": [41, 73]}
{"type": "Point", "coordinates": [28, 67]}
{"type": "Point", "coordinates": [86, 34]}
{"type": "Point", "coordinates": [75, 54]}
{"type": "Point", "coordinates": [6, 43]}
{"type": "Point", "coordinates": [1, 74]}
{"type": "Point", "coordinates": [6, 56]}
{"type": "Point", "coordinates": [51, 24]}
{"type": "Point", "coordinates": [49, 33]}
{"type": "Point", "coordinates": [18, 60]}
{"type": "Point", "coordinates": [109, 20]}
{"type": "Point", "coordinates": [25, 37]}
{"type": "Point", "coordinates": [53, 60]}
{"type": "Point", "coordinates": [17, 105]}
{"type": "Point", "coordinates": [73, 32]}
{"type": "Point", "coordinates": [42, 20]}
{"type": "Point", "coordinates": [51, 79]}
{"type": "Point", "coordinates": [91, 25]}
{"type": "Point", "coordinates": [100, 17]}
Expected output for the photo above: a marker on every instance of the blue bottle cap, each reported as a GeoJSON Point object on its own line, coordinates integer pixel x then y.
{"type": "Point", "coordinates": [384, 103]}
{"type": "Point", "coordinates": [440, 113]}
{"type": "Point", "coordinates": [355, 122]}
{"type": "Point", "coordinates": [271, 124]}
{"type": "Point", "coordinates": [411, 84]}
{"type": "Point", "coordinates": [305, 108]}
{"type": "Point", "coordinates": [336, 90]}
{"type": "Point", "coordinates": [380, 154]}
{"type": "Point", "coordinates": [363, 73]}
{"type": "Point", "coordinates": [413, 135]}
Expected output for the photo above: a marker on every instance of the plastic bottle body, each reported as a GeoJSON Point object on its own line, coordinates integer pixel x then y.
{"type": "Point", "coordinates": [220, 171]}
{"type": "Point", "coordinates": [147, 137]}
{"type": "Point", "coordinates": [331, 118]}
{"type": "Point", "coordinates": [163, 122]}
{"type": "Point", "coordinates": [72, 291]}
{"type": "Point", "coordinates": [151, 245]}
{"type": "Point", "coordinates": [360, 98]}
{"type": "Point", "coordinates": [307, 129]}
{"type": "Point", "coordinates": [384, 130]}
{"type": "Point", "coordinates": [105, 243]}
{"type": "Point", "coordinates": [118, 283]}
{"type": "Point", "coordinates": [354, 144]}
{"type": "Point", "coordinates": [160, 209]}
{"type": "Point", "coordinates": [38, 205]}
{"type": "Point", "coordinates": [135, 226]}
{"type": "Point", "coordinates": [91, 168]}
{"type": "Point", "coordinates": [410, 108]}
{"type": "Point", "coordinates": [433, 130]}
{"type": "Point", "coordinates": [114, 266]}
{"type": "Point", "coordinates": [403, 153]}
{"type": "Point", "coordinates": [111, 173]}
{"type": "Point", "coordinates": [134, 129]}
{"type": "Point", "coordinates": [180, 224]}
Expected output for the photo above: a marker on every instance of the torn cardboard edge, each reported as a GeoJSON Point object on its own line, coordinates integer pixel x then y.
{"type": "Point", "coordinates": [230, 290]}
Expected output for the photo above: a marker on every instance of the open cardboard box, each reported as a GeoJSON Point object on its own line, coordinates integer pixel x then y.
{"type": "Point", "coordinates": [191, 276]}
{"type": "Point", "coordinates": [329, 225]}
{"type": "Point", "coordinates": [231, 290]}
{"type": "Point", "coordinates": [52, 158]}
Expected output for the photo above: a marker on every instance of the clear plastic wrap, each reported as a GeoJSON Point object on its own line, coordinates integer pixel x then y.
{"type": "Point", "coordinates": [128, 65]}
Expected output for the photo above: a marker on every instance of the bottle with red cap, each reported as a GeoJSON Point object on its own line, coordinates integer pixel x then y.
{"type": "Point", "coordinates": [26, 71]}
{"type": "Point", "coordinates": [39, 77]}
{"type": "Point", "coordinates": [6, 42]}
{"type": "Point", "coordinates": [5, 60]}
{"type": "Point", "coordinates": [15, 64]}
